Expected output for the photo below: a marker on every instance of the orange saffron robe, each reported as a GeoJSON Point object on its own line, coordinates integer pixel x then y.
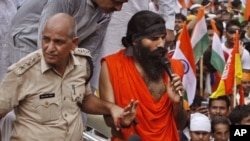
{"type": "Point", "coordinates": [156, 119]}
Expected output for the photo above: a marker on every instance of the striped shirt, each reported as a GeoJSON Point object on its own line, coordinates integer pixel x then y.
{"type": "Point", "coordinates": [91, 24]}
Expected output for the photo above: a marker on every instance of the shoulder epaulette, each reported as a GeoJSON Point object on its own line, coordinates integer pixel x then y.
{"type": "Point", "coordinates": [26, 63]}
{"type": "Point", "coordinates": [82, 52]}
{"type": "Point", "coordinates": [86, 53]}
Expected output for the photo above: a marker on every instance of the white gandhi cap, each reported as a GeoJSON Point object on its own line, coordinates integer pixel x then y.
{"type": "Point", "coordinates": [200, 122]}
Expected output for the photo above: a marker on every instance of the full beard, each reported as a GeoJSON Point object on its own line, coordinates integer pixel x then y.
{"type": "Point", "coordinates": [150, 61]}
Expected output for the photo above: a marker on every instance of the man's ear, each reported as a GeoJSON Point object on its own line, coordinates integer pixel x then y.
{"type": "Point", "coordinates": [75, 42]}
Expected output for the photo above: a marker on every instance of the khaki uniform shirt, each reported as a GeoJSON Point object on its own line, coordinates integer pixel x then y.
{"type": "Point", "coordinates": [45, 103]}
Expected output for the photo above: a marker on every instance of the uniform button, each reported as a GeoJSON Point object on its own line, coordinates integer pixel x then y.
{"type": "Point", "coordinates": [46, 103]}
{"type": "Point", "coordinates": [65, 115]}
{"type": "Point", "coordinates": [64, 98]}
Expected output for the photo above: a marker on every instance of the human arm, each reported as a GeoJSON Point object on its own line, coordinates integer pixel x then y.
{"type": "Point", "coordinates": [202, 109]}
{"type": "Point", "coordinates": [166, 10]}
{"type": "Point", "coordinates": [10, 93]}
{"type": "Point", "coordinates": [101, 107]}
{"type": "Point", "coordinates": [107, 94]}
{"type": "Point", "coordinates": [191, 24]}
{"type": "Point", "coordinates": [180, 113]}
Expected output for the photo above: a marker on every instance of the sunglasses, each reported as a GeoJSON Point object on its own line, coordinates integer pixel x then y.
{"type": "Point", "coordinates": [232, 31]}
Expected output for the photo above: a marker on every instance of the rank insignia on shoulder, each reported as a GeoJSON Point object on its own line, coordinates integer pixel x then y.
{"type": "Point", "coordinates": [24, 64]}
{"type": "Point", "coordinates": [82, 52]}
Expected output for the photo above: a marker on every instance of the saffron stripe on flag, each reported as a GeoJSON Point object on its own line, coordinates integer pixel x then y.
{"type": "Point", "coordinates": [217, 56]}
{"type": "Point", "coordinates": [184, 52]}
{"type": "Point", "coordinates": [199, 38]}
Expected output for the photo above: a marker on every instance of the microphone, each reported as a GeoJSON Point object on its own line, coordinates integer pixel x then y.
{"type": "Point", "coordinates": [167, 66]}
{"type": "Point", "coordinates": [134, 137]}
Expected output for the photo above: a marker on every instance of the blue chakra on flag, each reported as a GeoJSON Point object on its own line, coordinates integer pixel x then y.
{"type": "Point", "coordinates": [186, 66]}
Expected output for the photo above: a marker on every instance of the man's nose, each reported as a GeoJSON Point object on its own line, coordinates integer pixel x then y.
{"type": "Point", "coordinates": [224, 137]}
{"type": "Point", "coordinates": [217, 111]}
{"type": "Point", "coordinates": [51, 46]}
{"type": "Point", "coordinates": [161, 42]}
{"type": "Point", "coordinates": [200, 136]}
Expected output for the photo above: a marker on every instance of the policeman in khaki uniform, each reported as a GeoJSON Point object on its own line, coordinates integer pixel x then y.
{"type": "Point", "coordinates": [47, 87]}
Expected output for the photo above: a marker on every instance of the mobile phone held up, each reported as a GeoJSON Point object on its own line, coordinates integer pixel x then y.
{"type": "Point", "coordinates": [204, 103]}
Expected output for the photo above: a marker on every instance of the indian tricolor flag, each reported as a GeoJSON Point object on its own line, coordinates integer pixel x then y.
{"type": "Point", "coordinates": [232, 73]}
{"type": "Point", "coordinates": [185, 53]}
{"type": "Point", "coordinates": [199, 38]}
{"type": "Point", "coordinates": [217, 56]}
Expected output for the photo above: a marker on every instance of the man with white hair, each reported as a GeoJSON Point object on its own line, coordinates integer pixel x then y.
{"type": "Point", "coordinates": [200, 127]}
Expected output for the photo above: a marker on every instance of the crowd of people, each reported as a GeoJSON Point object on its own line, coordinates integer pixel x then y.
{"type": "Point", "coordinates": [63, 59]}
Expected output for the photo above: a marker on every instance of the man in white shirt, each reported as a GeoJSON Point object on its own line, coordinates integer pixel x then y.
{"type": "Point", "coordinates": [231, 28]}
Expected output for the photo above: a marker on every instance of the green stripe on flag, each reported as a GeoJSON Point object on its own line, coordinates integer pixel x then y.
{"type": "Point", "coordinates": [217, 62]}
{"type": "Point", "coordinates": [201, 47]}
{"type": "Point", "coordinates": [199, 1]}
{"type": "Point", "coordinates": [185, 96]}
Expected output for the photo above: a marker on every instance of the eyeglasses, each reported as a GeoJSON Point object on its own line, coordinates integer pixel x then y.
{"type": "Point", "coordinates": [232, 31]}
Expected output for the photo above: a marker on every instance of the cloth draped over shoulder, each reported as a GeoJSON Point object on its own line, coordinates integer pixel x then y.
{"type": "Point", "coordinates": [156, 119]}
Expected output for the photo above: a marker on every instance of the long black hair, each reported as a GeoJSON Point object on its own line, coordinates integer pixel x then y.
{"type": "Point", "coordinates": [139, 23]}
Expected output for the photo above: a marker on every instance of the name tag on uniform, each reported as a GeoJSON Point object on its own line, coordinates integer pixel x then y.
{"type": "Point", "coordinates": [48, 95]}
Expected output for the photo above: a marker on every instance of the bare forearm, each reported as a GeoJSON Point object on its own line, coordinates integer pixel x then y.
{"type": "Point", "coordinates": [109, 121]}
{"type": "Point", "coordinates": [191, 24]}
{"type": "Point", "coordinates": [180, 115]}
{"type": "Point", "coordinates": [93, 105]}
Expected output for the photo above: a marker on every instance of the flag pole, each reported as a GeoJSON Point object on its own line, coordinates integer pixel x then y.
{"type": "Point", "coordinates": [233, 99]}
{"type": "Point", "coordinates": [201, 76]}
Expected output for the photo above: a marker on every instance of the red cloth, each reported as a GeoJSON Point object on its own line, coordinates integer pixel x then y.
{"type": "Point", "coordinates": [226, 55]}
{"type": "Point", "coordinates": [156, 119]}
{"type": "Point", "coordinates": [217, 78]}
{"type": "Point", "coordinates": [242, 97]}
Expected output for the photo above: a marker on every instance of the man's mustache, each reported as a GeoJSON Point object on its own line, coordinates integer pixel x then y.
{"type": "Point", "coordinates": [159, 52]}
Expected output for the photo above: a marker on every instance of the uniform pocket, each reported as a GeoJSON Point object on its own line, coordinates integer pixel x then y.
{"type": "Point", "coordinates": [47, 109]}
